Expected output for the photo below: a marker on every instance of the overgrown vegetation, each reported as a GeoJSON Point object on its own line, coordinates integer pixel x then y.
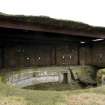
{"type": "Point", "coordinates": [49, 94]}
{"type": "Point", "coordinates": [12, 96]}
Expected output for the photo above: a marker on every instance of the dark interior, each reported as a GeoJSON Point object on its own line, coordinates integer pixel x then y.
{"type": "Point", "coordinates": [24, 48]}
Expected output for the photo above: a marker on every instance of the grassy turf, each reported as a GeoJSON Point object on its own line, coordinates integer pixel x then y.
{"type": "Point", "coordinates": [29, 97]}
{"type": "Point", "coordinates": [53, 94]}
{"type": "Point", "coordinates": [10, 95]}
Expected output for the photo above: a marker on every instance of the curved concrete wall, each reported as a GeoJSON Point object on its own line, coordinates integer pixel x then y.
{"type": "Point", "coordinates": [27, 77]}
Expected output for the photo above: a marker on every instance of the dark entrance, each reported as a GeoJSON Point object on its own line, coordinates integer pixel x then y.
{"type": "Point", "coordinates": [65, 78]}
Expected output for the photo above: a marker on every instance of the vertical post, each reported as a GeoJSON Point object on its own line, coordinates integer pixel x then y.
{"type": "Point", "coordinates": [54, 55]}
{"type": "Point", "coordinates": [2, 57]}
{"type": "Point", "coordinates": [78, 54]}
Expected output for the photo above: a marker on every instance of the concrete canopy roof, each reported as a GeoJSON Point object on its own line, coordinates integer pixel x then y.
{"type": "Point", "coordinates": [47, 24]}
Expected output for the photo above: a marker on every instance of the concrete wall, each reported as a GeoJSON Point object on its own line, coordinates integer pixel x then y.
{"type": "Point", "coordinates": [67, 55]}
{"type": "Point", "coordinates": [17, 56]}
{"type": "Point", "coordinates": [27, 56]}
{"type": "Point", "coordinates": [85, 56]}
{"type": "Point", "coordinates": [99, 54]}
{"type": "Point", "coordinates": [40, 55]}
{"type": "Point", "coordinates": [32, 76]}
{"type": "Point", "coordinates": [93, 55]}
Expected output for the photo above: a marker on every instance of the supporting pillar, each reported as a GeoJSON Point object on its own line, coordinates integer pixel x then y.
{"type": "Point", "coordinates": [2, 57]}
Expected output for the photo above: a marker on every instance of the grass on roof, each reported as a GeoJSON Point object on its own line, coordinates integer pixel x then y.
{"type": "Point", "coordinates": [45, 21]}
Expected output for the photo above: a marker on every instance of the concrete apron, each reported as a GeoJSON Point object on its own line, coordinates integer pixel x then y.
{"type": "Point", "coordinates": [28, 77]}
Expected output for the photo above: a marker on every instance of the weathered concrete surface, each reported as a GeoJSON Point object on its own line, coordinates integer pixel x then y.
{"type": "Point", "coordinates": [31, 76]}
{"type": "Point", "coordinates": [86, 74]}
